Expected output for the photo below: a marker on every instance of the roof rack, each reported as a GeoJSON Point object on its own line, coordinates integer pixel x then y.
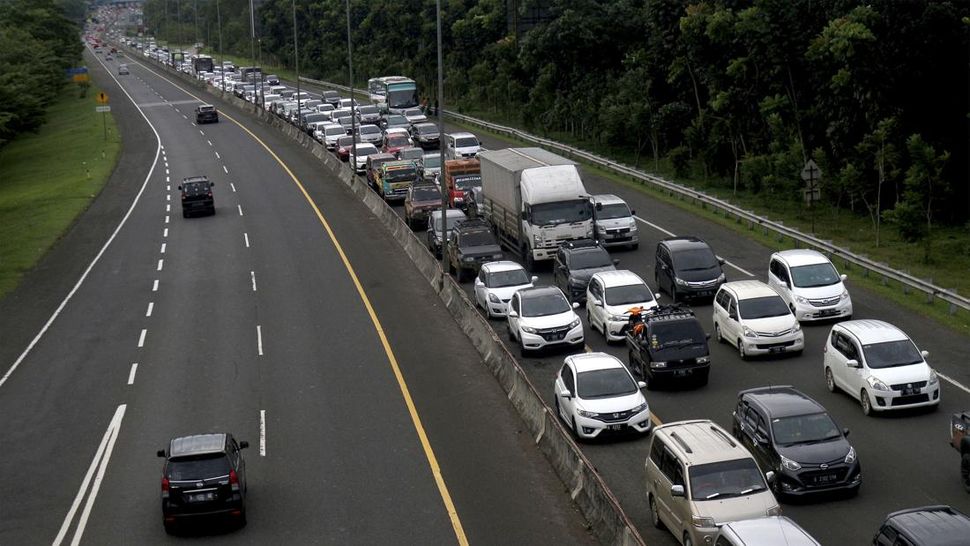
{"type": "Point", "coordinates": [681, 441]}
{"type": "Point", "coordinates": [724, 436]}
{"type": "Point", "coordinates": [581, 243]}
{"type": "Point", "coordinates": [472, 223]}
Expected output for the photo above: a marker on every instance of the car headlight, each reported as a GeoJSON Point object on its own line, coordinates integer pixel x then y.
{"type": "Point", "coordinates": [773, 511]}
{"type": "Point", "coordinates": [703, 359]}
{"type": "Point", "coordinates": [618, 318]}
{"type": "Point", "coordinates": [801, 300]}
{"type": "Point", "coordinates": [845, 295]}
{"type": "Point", "coordinates": [658, 364]}
{"type": "Point", "coordinates": [701, 521]}
{"type": "Point", "coordinates": [529, 330]}
{"type": "Point", "coordinates": [789, 464]}
{"type": "Point", "coordinates": [934, 378]}
{"type": "Point", "coordinates": [494, 299]}
{"type": "Point", "coordinates": [797, 327]}
{"type": "Point", "coordinates": [578, 283]}
{"type": "Point", "coordinates": [585, 413]}
{"type": "Point", "coordinates": [468, 259]}
{"type": "Point", "coordinates": [680, 282]}
{"type": "Point", "coordinates": [574, 324]}
{"type": "Point", "coordinates": [639, 408]}
{"type": "Point", "coordinates": [721, 277]}
{"type": "Point", "coordinates": [748, 332]}
{"type": "Point", "coordinates": [876, 384]}
{"type": "Point", "coordinates": [496, 256]}
{"type": "Point", "coordinates": [850, 456]}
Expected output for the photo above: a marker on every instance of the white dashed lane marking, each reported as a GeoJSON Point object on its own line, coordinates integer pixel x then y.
{"type": "Point", "coordinates": [141, 338]}
{"type": "Point", "coordinates": [131, 374]}
{"type": "Point", "coordinates": [155, 286]}
{"type": "Point", "coordinates": [246, 237]}
{"type": "Point", "coordinates": [151, 307]}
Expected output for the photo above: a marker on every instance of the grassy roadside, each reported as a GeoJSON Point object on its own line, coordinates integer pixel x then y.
{"type": "Point", "coordinates": [914, 301]}
{"type": "Point", "coordinates": [49, 178]}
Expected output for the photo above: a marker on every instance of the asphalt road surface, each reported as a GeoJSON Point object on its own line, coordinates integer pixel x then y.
{"type": "Point", "coordinates": [905, 459]}
{"type": "Point", "coordinates": [251, 321]}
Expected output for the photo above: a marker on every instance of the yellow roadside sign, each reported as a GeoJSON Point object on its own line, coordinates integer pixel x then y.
{"type": "Point", "coordinates": [102, 98]}
{"type": "Point", "coordinates": [80, 77]}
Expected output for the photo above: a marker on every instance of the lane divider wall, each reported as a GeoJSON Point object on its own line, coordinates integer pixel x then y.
{"type": "Point", "coordinates": [607, 520]}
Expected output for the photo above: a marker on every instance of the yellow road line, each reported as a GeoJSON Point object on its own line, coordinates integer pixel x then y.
{"type": "Point", "coordinates": [405, 392]}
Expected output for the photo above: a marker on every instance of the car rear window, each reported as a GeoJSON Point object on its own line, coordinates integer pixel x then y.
{"type": "Point", "coordinates": [195, 187]}
{"type": "Point", "coordinates": [590, 259]}
{"type": "Point", "coordinates": [198, 468]}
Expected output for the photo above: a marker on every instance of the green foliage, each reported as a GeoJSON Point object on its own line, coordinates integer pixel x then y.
{"type": "Point", "coordinates": [680, 160]}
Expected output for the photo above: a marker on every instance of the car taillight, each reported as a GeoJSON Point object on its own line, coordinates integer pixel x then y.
{"type": "Point", "coordinates": [234, 480]}
{"type": "Point", "coordinates": [164, 487]}
{"type": "Point", "coordinates": [209, 194]}
{"type": "Point", "coordinates": [183, 197]}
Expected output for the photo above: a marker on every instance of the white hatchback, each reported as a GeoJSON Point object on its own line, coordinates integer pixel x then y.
{"type": "Point", "coordinates": [877, 364]}
{"type": "Point", "coordinates": [595, 393]}
{"type": "Point", "coordinates": [542, 317]}
{"type": "Point", "coordinates": [609, 298]}
{"type": "Point", "coordinates": [810, 285]}
{"type": "Point", "coordinates": [497, 282]}
{"type": "Point", "coordinates": [751, 316]}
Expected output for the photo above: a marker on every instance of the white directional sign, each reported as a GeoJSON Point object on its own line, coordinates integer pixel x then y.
{"type": "Point", "coordinates": [102, 109]}
{"type": "Point", "coordinates": [810, 172]}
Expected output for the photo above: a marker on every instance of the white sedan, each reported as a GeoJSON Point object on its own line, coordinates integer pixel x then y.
{"type": "Point", "coordinates": [496, 283]}
{"type": "Point", "coordinates": [595, 393]}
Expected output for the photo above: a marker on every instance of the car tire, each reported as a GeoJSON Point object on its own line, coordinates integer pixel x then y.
{"type": "Point", "coordinates": [741, 353]}
{"type": "Point", "coordinates": [717, 334]}
{"type": "Point", "coordinates": [965, 471]}
{"type": "Point", "coordinates": [830, 381]}
{"type": "Point", "coordinates": [634, 246]}
{"type": "Point", "coordinates": [510, 332]}
{"type": "Point", "coordinates": [865, 402]}
{"type": "Point", "coordinates": [573, 428]}
{"type": "Point", "coordinates": [702, 378]}
{"type": "Point", "coordinates": [170, 528]}
{"type": "Point", "coordinates": [654, 514]}
{"type": "Point", "coordinates": [523, 352]}
{"type": "Point", "coordinates": [687, 540]}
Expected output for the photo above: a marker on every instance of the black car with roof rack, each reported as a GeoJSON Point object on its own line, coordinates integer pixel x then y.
{"type": "Point", "coordinates": [472, 244]}
{"type": "Point", "coordinates": [203, 475]}
{"type": "Point", "coordinates": [938, 525]}
{"type": "Point", "coordinates": [197, 196]}
{"type": "Point", "coordinates": [575, 264]}
{"type": "Point", "coordinates": [667, 343]}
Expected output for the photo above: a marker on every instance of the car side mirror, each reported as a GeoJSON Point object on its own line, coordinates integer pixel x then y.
{"type": "Point", "coordinates": [595, 301]}
{"type": "Point", "coordinates": [633, 212]}
{"type": "Point", "coordinates": [212, 184]}
{"type": "Point", "coordinates": [733, 316]}
{"type": "Point", "coordinates": [160, 453]}
{"type": "Point", "coordinates": [770, 476]}
{"type": "Point", "coordinates": [656, 295]}
{"type": "Point", "coordinates": [845, 432]}
{"type": "Point", "coordinates": [512, 313]}
{"type": "Point", "coordinates": [534, 279]}
{"type": "Point", "coordinates": [575, 305]}
{"type": "Point", "coordinates": [707, 336]}
{"type": "Point", "coordinates": [642, 384]}
{"type": "Point", "coordinates": [925, 354]}
{"type": "Point", "coordinates": [676, 490]}
{"type": "Point", "coordinates": [852, 363]}
{"type": "Point", "coordinates": [180, 186]}
{"type": "Point", "coordinates": [524, 215]}
{"type": "Point", "coordinates": [243, 444]}
{"type": "Point", "coordinates": [843, 277]}
{"type": "Point", "coordinates": [616, 262]}
{"type": "Point", "coordinates": [720, 260]}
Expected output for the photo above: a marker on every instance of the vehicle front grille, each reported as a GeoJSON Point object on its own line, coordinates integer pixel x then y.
{"type": "Point", "coordinates": [702, 284]}
{"type": "Point", "coordinates": [913, 385]}
{"type": "Point", "coordinates": [912, 399]}
{"type": "Point", "coordinates": [553, 334]}
{"type": "Point", "coordinates": [774, 334]}
{"type": "Point", "coordinates": [614, 417]}
{"type": "Point", "coordinates": [825, 302]}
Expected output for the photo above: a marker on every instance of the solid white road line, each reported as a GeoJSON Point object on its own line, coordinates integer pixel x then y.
{"type": "Point", "coordinates": [159, 150]}
{"type": "Point", "coordinates": [233, 186]}
{"type": "Point", "coordinates": [246, 237]}
{"type": "Point", "coordinates": [141, 337]}
{"type": "Point", "coordinates": [161, 262]}
{"type": "Point", "coordinates": [82, 522]}
{"type": "Point", "coordinates": [163, 248]}
{"type": "Point", "coordinates": [131, 374]}
{"type": "Point", "coordinates": [155, 286]}
{"type": "Point", "coordinates": [672, 234]}
{"type": "Point", "coordinates": [240, 209]}
{"type": "Point", "coordinates": [259, 340]}
{"type": "Point", "coordinates": [953, 382]}
{"type": "Point", "coordinates": [262, 433]}
{"type": "Point", "coordinates": [225, 169]}
{"type": "Point", "coordinates": [252, 276]}
{"type": "Point", "coordinates": [151, 307]}
{"type": "Point", "coordinates": [100, 457]}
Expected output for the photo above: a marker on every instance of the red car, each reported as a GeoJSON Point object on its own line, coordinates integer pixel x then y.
{"type": "Point", "coordinates": [395, 142]}
{"type": "Point", "coordinates": [345, 145]}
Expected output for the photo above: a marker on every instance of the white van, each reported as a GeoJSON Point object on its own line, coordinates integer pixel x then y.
{"type": "Point", "coordinates": [810, 284]}
{"type": "Point", "coordinates": [751, 316]}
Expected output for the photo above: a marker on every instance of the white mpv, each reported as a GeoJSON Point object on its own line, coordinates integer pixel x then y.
{"type": "Point", "coordinates": [877, 364]}
{"type": "Point", "coordinates": [595, 393]}
{"type": "Point", "coordinates": [809, 283]}
{"type": "Point", "coordinates": [755, 319]}
{"type": "Point", "coordinates": [497, 282]}
{"type": "Point", "coordinates": [609, 298]}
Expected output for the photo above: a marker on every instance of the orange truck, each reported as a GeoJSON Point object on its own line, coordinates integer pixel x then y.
{"type": "Point", "coordinates": [462, 176]}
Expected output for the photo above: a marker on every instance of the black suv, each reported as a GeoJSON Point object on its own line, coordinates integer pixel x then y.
{"type": "Point", "coordinates": [206, 113]}
{"type": "Point", "coordinates": [575, 264]}
{"type": "Point", "coordinates": [686, 267]}
{"type": "Point", "coordinates": [197, 196]}
{"type": "Point", "coordinates": [472, 245]}
{"type": "Point", "coordinates": [793, 436]}
{"type": "Point", "coordinates": [926, 526]}
{"type": "Point", "coordinates": [203, 475]}
{"type": "Point", "coordinates": [667, 342]}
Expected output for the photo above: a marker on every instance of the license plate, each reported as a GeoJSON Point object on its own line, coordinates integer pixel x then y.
{"type": "Point", "coordinates": [776, 349]}
{"type": "Point", "coordinates": [910, 392]}
{"type": "Point", "coordinates": [681, 373]}
{"type": "Point", "coordinates": [616, 427]}
{"type": "Point", "coordinates": [828, 312]}
{"type": "Point", "coordinates": [825, 479]}
{"type": "Point", "coordinates": [202, 497]}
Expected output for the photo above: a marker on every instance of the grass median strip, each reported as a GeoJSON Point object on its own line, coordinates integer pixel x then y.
{"type": "Point", "coordinates": [49, 178]}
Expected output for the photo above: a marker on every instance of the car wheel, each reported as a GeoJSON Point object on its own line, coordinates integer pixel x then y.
{"type": "Point", "coordinates": [508, 329]}
{"type": "Point", "coordinates": [634, 246]}
{"type": "Point", "coordinates": [741, 353]}
{"type": "Point", "coordinates": [965, 471]}
{"type": "Point", "coordinates": [830, 381]}
{"type": "Point", "coordinates": [523, 352]}
{"type": "Point", "coordinates": [717, 334]}
{"type": "Point", "coordinates": [702, 378]}
{"type": "Point", "coordinates": [575, 430]}
{"type": "Point", "coordinates": [459, 274]}
{"type": "Point", "coordinates": [170, 528]}
{"type": "Point", "coordinates": [866, 404]}
{"type": "Point", "coordinates": [654, 514]}
{"type": "Point", "coordinates": [687, 540]}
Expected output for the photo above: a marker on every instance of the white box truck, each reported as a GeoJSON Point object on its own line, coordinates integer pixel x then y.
{"type": "Point", "coordinates": [535, 200]}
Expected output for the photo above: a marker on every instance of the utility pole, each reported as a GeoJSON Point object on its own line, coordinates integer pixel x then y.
{"type": "Point", "coordinates": [296, 62]}
{"type": "Point", "coordinates": [441, 150]}
{"type": "Point", "coordinates": [252, 39]}
{"type": "Point", "coordinates": [353, 113]}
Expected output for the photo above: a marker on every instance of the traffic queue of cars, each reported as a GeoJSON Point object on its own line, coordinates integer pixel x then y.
{"type": "Point", "coordinates": [704, 484]}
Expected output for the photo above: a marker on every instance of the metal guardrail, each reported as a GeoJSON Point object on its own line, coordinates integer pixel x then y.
{"type": "Point", "coordinates": [848, 257]}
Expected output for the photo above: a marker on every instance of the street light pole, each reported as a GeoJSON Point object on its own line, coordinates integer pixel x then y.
{"type": "Point", "coordinates": [353, 113]}
{"type": "Point", "coordinates": [221, 57]}
{"type": "Point", "coordinates": [252, 40]}
{"type": "Point", "coordinates": [296, 62]}
{"type": "Point", "coordinates": [441, 151]}
{"type": "Point", "coordinates": [178, 13]}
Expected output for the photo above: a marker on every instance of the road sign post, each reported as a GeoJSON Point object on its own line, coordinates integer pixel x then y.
{"type": "Point", "coordinates": [811, 174]}
{"type": "Point", "coordinates": [102, 99]}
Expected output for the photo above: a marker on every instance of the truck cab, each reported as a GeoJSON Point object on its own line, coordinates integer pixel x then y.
{"type": "Point", "coordinates": [395, 177]}
{"type": "Point", "coordinates": [461, 177]}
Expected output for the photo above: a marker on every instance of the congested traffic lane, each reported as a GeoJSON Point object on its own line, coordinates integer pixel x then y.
{"type": "Point", "coordinates": [255, 327]}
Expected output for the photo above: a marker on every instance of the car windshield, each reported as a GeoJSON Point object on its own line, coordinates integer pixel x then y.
{"type": "Point", "coordinates": [365, 150]}
{"type": "Point", "coordinates": [694, 259]}
{"type": "Point", "coordinates": [450, 225]}
{"type": "Point", "coordinates": [673, 334]}
{"type": "Point", "coordinates": [432, 161]}
{"type": "Point", "coordinates": [425, 193]}
{"type": "Point", "coordinates": [604, 383]}
{"type": "Point", "coordinates": [725, 479]}
{"type": "Point", "coordinates": [590, 259]}
{"type": "Point", "coordinates": [512, 277]}
{"type": "Point", "coordinates": [616, 210]}
{"type": "Point", "coordinates": [397, 140]}
{"type": "Point", "coordinates": [468, 182]}
{"type": "Point", "coordinates": [477, 238]}
{"type": "Point", "coordinates": [542, 305]}
{"type": "Point", "coordinates": [345, 141]}
{"type": "Point", "coordinates": [426, 129]}
{"type": "Point", "coordinates": [196, 187]}
{"type": "Point", "coordinates": [768, 306]}
{"type": "Point", "coordinates": [632, 293]}
{"type": "Point", "coordinates": [333, 131]}
{"type": "Point", "coordinates": [804, 429]}
{"type": "Point", "coordinates": [809, 276]}
{"type": "Point", "coordinates": [369, 130]}
{"type": "Point", "coordinates": [561, 212]}
{"type": "Point", "coordinates": [889, 354]}
{"type": "Point", "coordinates": [413, 112]}
{"type": "Point", "coordinates": [397, 120]}
{"type": "Point", "coordinates": [403, 97]}
{"type": "Point", "coordinates": [330, 95]}
{"type": "Point", "coordinates": [399, 174]}
{"type": "Point", "coordinates": [368, 110]}
{"type": "Point", "coordinates": [198, 468]}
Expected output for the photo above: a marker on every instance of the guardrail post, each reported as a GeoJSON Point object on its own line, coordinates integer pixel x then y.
{"type": "Point", "coordinates": [953, 308]}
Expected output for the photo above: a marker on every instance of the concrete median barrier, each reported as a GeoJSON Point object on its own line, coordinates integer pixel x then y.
{"type": "Point", "coordinates": [586, 487]}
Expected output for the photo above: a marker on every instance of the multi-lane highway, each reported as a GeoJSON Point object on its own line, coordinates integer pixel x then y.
{"type": "Point", "coordinates": [289, 319]}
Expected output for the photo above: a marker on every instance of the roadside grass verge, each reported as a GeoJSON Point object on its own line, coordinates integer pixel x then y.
{"type": "Point", "coordinates": [49, 178]}
{"type": "Point", "coordinates": [948, 243]}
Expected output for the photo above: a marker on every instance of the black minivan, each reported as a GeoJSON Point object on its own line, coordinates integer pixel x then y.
{"type": "Point", "coordinates": [793, 436]}
{"type": "Point", "coordinates": [687, 268]}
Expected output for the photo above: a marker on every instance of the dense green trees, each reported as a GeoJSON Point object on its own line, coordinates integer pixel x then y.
{"type": "Point", "coordinates": [739, 92]}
